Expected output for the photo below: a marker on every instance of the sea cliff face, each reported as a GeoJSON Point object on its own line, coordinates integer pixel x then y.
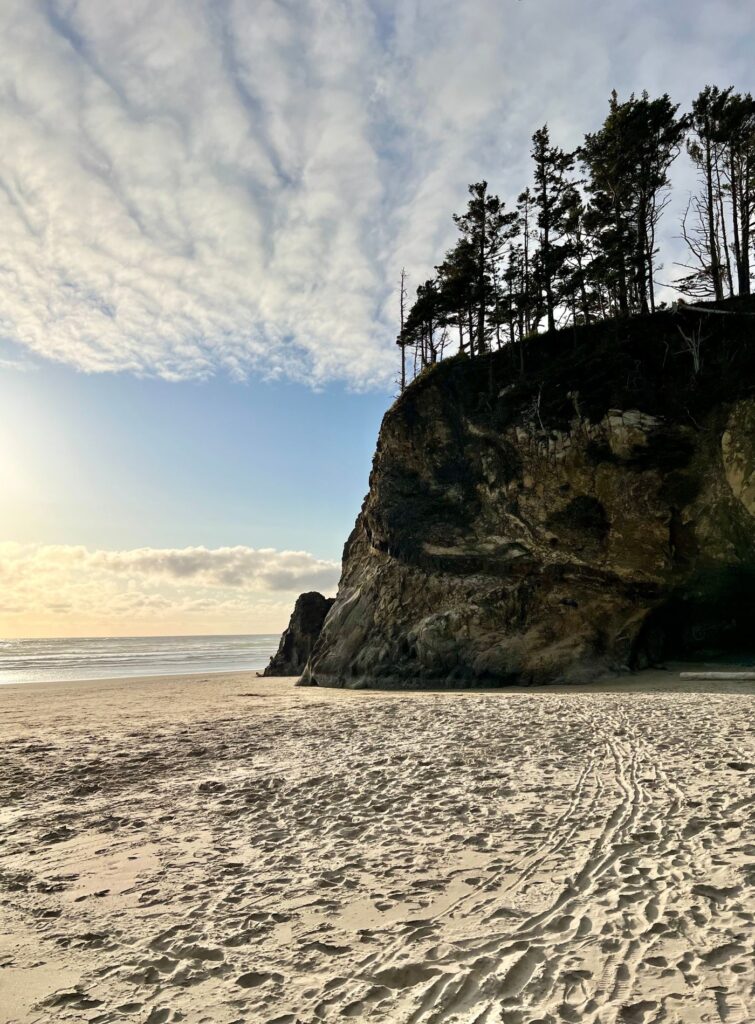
{"type": "Point", "coordinates": [595, 514]}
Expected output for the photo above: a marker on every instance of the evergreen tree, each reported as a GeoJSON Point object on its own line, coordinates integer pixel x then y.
{"type": "Point", "coordinates": [485, 226]}
{"type": "Point", "coordinates": [457, 282]}
{"type": "Point", "coordinates": [529, 282]}
{"type": "Point", "coordinates": [551, 192]}
{"type": "Point", "coordinates": [737, 138]}
{"type": "Point", "coordinates": [422, 321]}
{"type": "Point", "coordinates": [657, 137]}
{"type": "Point", "coordinates": [609, 214]}
{"type": "Point", "coordinates": [577, 287]}
{"type": "Point", "coordinates": [703, 239]}
{"type": "Point", "coordinates": [578, 252]}
{"type": "Point", "coordinates": [628, 161]}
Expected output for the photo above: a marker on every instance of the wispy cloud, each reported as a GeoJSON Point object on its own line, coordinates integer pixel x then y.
{"type": "Point", "coordinates": [56, 589]}
{"type": "Point", "coordinates": [20, 365]}
{"type": "Point", "coordinates": [198, 185]}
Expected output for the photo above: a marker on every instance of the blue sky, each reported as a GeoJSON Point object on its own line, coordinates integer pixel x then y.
{"type": "Point", "coordinates": [218, 471]}
{"type": "Point", "coordinates": [115, 461]}
{"type": "Point", "coordinates": [205, 206]}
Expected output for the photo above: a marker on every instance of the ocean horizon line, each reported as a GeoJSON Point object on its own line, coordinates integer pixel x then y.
{"type": "Point", "coordinates": [133, 636]}
{"type": "Point", "coordinates": [59, 659]}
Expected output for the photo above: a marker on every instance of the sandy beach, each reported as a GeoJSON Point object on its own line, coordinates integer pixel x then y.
{"type": "Point", "coordinates": [229, 848]}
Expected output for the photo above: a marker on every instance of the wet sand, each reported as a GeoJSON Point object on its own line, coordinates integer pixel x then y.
{"type": "Point", "coordinates": [227, 848]}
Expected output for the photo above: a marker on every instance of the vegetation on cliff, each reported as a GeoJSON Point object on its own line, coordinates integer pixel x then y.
{"type": "Point", "coordinates": [579, 246]}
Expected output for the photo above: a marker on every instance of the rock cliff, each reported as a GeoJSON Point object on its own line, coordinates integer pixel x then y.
{"type": "Point", "coordinates": [298, 640]}
{"type": "Point", "coordinates": [594, 513]}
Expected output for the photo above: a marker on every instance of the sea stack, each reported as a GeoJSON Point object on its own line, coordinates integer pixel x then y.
{"type": "Point", "coordinates": [298, 640]}
{"type": "Point", "coordinates": [594, 512]}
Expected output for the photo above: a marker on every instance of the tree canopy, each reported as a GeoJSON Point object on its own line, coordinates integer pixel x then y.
{"type": "Point", "coordinates": [580, 243]}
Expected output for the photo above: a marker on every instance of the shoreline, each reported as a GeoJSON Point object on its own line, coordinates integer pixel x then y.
{"type": "Point", "coordinates": [673, 673]}
{"type": "Point", "coordinates": [150, 677]}
{"type": "Point", "coordinates": [97, 658]}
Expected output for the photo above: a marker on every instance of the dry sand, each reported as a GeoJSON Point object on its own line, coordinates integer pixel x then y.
{"type": "Point", "coordinates": [234, 849]}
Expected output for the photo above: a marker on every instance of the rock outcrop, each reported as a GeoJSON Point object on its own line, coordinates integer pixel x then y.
{"type": "Point", "coordinates": [597, 513]}
{"type": "Point", "coordinates": [298, 640]}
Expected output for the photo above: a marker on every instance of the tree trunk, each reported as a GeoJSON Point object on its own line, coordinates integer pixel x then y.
{"type": "Point", "coordinates": [481, 298]}
{"type": "Point", "coordinates": [549, 300]}
{"type": "Point", "coordinates": [582, 289]}
{"type": "Point", "coordinates": [725, 239]}
{"type": "Point", "coordinates": [651, 267]}
{"type": "Point", "coordinates": [735, 219]}
{"type": "Point", "coordinates": [403, 344]}
{"type": "Point", "coordinates": [525, 280]}
{"type": "Point", "coordinates": [622, 268]}
{"type": "Point", "coordinates": [715, 264]}
{"type": "Point", "coordinates": [641, 257]}
{"type": "Point", "coordinates": [546, 251]}
{"type": "Point", "coordinates": [745, 220]}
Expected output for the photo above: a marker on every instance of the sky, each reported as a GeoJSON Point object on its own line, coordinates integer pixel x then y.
{"type": "Point", "coordinates": [205, 207]}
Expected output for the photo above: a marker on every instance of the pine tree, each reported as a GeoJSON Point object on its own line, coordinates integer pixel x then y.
{"type": "Point", "coordinates": [737, 137]}
{"type": "Point", "coordinates": [656, 139]}
{"type": "Point", "coordinates": [529, 297]}
{"type": "Point", "coordinates": [457, 283]}
{"type": "Point", "coordinates": [577, 288]}
{"type": "Point", "coordinates": [486, 226]}
{"type": "Point", "coordinates": [422, 321]}
{"type": "Point", "coordinates": [581, 251]}
{"type": "Point", "coordinates": [628, 161]}
{"type": "Point", "coordinates": [552, 169]}
{"type": "Point", "coordinates": [609, 214]}
{"type": "Point", "coordinates": [703, 239]}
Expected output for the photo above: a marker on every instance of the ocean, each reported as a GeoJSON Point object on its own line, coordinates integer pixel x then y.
{"type": "Point", "coordinates": [57, 660]}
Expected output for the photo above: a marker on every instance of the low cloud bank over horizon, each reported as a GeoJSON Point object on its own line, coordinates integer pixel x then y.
{"type": "Point", "coordinates": [70, 590]}
{"type": "Point", "coordinates": [197, 187]}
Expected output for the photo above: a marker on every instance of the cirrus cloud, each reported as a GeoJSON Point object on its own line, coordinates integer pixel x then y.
{"type": "Point", "coordinates": [198, 185]}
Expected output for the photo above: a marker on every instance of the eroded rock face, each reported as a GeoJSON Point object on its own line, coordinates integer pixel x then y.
{"type": "Point", "coordinates": [548, 530]}
{"type": "Point", "coordinates": [738, 449]}
{"type": "Point", "coordinates": [298, 640]}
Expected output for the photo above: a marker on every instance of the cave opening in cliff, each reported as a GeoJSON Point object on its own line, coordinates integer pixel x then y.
{"type": "Point", "coordinates": [712, 617]}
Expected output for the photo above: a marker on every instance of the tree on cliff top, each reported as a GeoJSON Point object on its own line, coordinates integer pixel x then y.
{"type": "Point", "coordinates": [720, 220]}
{"type": "Point", "coordinates": [551, 196]}
{"type": "Point", "coordinates": [627, 162]}
{"type": "Point", "coordinates": [457, 280]}
{"type": "Point", "coordinates": [486, 227]}
{"type": "Point", "coordinates": [581, 251]}
{"type": "Point", "coordinates": [422, 321]}
{"type": "Point", "coordinates": [704, 238]}
{"type": "Point", "coordinates": [737, 139]}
